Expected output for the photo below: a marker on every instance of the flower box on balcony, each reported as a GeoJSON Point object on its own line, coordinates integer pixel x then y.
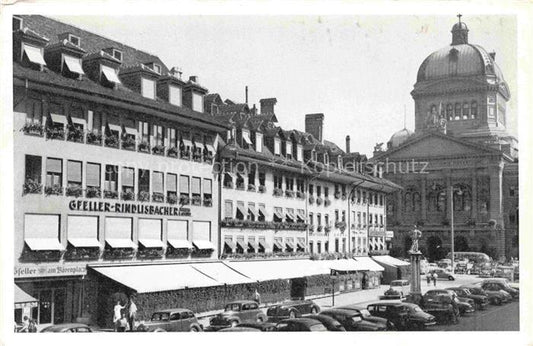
{"type": "Point", "coordinates": [185, 200]}
{"type": "Point", "coordinates": [143, 196]}
{"type": "Point", "coordinates": [55, 133]}
{"type": "Point", "coordinates": [337, 195]}
{"type": "Point", "coordinates": [111, 141]}
{"type": "Point", "coordinates": [261, 189]}
{"type": "Point", "coordinates": [150, 253]}
{"type": "Point", "coordinates": [118, 253]}
{"type": "Point", "coordinates": [158, 197]}
{"type": "Point", "coordinates": [185, 154]}
{"type": "Point", "coordinates": [289, 193]}
{"type": "Point", "coordinates": [172, 199]}
{"type": "Point", "coordinates": [327, 228]}
{"type": "Point", "coordinates": [196, 200]}
{"type": "Point", "coordinates": [144, 147]}
{"type": "Point", "coordinates": [327, 202]}
{"type": "Point", "coordinates": [311, 199]}
{"type": "Point", "coordinates": [240, 185]}
{"type": "Point", "coordinates": [53, 190]}
{"type": "Point", "coordinates": [178, 253]}
{"type": "Point", "coordinates": [93, 192]}
{"type": "Point", "coordinates": [75, 135]}
{"type": "Point", "coordinates": [158, 150]}
{"type": "Point", "coordinates": [81, 253]}
{"type": "Point", "coordinates": [319, 201]}
{"type": "Point", "coordinates": [251, 187]}
{"type": "Point", "coordinates": [31, 186]}
{"type": "Point", "coordinates": [300, 194]}
{"type": "Point", "coordinates": [340, 225]}
{"type": "Point", "coordinates": [278, 192]}
{"type": "Point", "coordinates": [127, 196]}
{"type": "Point", "coordinates": [128, 143]}
{"type": "Point", "coordinates": [110, 194]}
{"type": "Point", "coordinates": [208, 202]}
{"type": "Point", "coordinates": [208, 158]}
{"type": "Point", "coordinates": [34, 129]}
{"type": "Point", "coordinates": [319, 228]}
{"type": "Point", "coordinates": [228, 184]}
{"type": "Point", "coordinates": [94, 138]}
{"type": "Point", "coordinates": [172, 152]}
{"type": "Point", "coordinates": [74, 191]}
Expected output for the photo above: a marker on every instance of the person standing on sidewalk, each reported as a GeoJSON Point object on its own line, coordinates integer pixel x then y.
{"type": "Point", "coordinates": [429, 277]}
{"type": "Point", "coordinates": [257, 297]}
{"type": "Point", "coordinates": [435, 276]}
{"type": "Point", "coordinates": [132, 314]}
{"type": "Point", "coordinates": [117, 314]}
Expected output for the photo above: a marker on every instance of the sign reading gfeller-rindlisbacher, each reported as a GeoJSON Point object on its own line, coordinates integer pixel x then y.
{"type": "Point", "coordinates": [32, 270]}
{"type": "Point", "coordinates": [127, 208]}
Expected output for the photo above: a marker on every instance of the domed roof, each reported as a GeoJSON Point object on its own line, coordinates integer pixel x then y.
{"type": "Point", "coordinates": [459, 26]}
{"type": "Point", "coordinates": [459, 61]}
{"type": "Point", "coordinates": [399, 137]}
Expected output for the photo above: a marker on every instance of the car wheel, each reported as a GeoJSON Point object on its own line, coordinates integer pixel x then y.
{"type": "Point", "coordinates": [194, 329]}
{"type": "Point", "coordinates": [292, 314]}
{"type": "Point", "coordinates": [451, 278]}
{"type": "Point", "coordinates": [159, 330]}
{"type": "Point", "coordinates": [314, 311]}
{"type": "Point", "coordinates": [234, 324]}
{"type": "Point", "coordinates": [497, 301]}
{"type": "Point", "coordinates": [260, 319]}
{"type": "Point", "coordinates": [391, 326]}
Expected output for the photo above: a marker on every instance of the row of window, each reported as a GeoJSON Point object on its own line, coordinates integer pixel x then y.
{"type": "Point", "coordinates": [280, 244]}
{"type": "Point", "coordinates": [42, 232]}
{"type": "Point", "coordinates": [458, 111]}
{"type": "Point", "coordinates": [124, 182]}
{"type": "Point", "coordinates": [372, 218]}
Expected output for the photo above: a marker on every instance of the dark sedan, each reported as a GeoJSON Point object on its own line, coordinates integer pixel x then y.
{"type": "Point", "coordinates": [480, 301]}
{"type": "Point", "coordinates": [367, 316]}
{"type": "Point", "coordinates": [69, 328]}
{"type": "Point", "coordinates": [300, 325]}
{"type": "Point", "coordinates": [403, 315]}
{"type": "Point", "coordinates": [352, 321]}
{"type": "Point", "coordinates": [329, 322]}
{"type": "Point", "coordinates": [291, 309]}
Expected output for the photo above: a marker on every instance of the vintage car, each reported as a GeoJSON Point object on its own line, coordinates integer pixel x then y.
{"type": "Point", "coordinates": [442, 306]}
{"type": "Point", "coordinates": [352, 320]}
{"type": "Point", "coordinates": [497, 284]}
{"type": "Point", "coordinates": [300, 325]}
{"type": "Point", "coordinates": [240, 311]}
{"type": "Point", "coordinates": [367, 316]}
{"type": "Point", "coordinates": [494, 297]}
{"type": "Point", "coordinates": [171, 320]}
{"type": "Point", "coordinates": [465, 305]}
{"type": "Point", "coordinates": [69, 328]}
{"type": "Point", "coordinates": [403, 315]}
{"type": "Point", "coordinates": [291, 309]}
{"type": "Point", "coordinates": [443, 274]}
{"type": "Point", "coordinates": [480, 301]}
{"type": "Point", "coordinates": [330, 323]}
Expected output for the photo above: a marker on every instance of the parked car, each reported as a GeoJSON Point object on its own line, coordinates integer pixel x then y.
{"type": "Point", "coordinates": [494, 297]}
{"type": "Point", "coordinates": [300, 325]}
{"type": "Point", "coordinates": [443, 274]}
{"type": "Point", "coordinates": [69, 328]}
{"type": "Point", "coordinates": [403, 315]}
{"type": "Point", "coordinates": [464, 305]}
{"type": "Point", "coordinates": [497, 284]}
{"type": "Point", "coordinates": [291, 309]}
{"type": "Point", "coordinates": [367, 316]}
{"type": "Point", "coordinates": [330, 323]}
{"type": "Point", "coordinates": [236, 312]}
{"type": "Point", "coordinates": [352, 320]}
{"type": "Point", "coordinates": [480, 301]}
{"type": "Point", "coordinates": [259, 326]}
{"type": "Point", "coordinates": [402, 286]}
{"type": "Point", "coordinates": [171, 320]}
{"type": "Point", "coordinates": [442, 306]}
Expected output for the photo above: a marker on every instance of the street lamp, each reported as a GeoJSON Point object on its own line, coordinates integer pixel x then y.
{"type": "Point", "coordinates": [459, 192]}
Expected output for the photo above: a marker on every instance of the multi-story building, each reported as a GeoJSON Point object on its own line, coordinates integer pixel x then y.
{"type": "Point", "coordinates": [460, 165]}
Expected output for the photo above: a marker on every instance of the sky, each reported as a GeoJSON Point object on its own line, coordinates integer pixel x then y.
{"type": "Point", "coordinates": [357, 70]}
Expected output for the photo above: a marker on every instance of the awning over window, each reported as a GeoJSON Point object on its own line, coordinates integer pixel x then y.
{"type": "Point", "coordinates": [187, 143]}
{"type": "Point", "coordinates": [242, 243]}
{"type": "Point", "coordinates": [203, 244]}
{"type": "Point", "coordinates": [289, 243]}
{"type": "Point", "coordinates": [180, 244]}
{"type": "Point", "coordinates": [23, 299]}
{"type": "Point", "coordinates": [263, 211]}
{"type": "Point", "coordinates": [121, 243]}
{"type": "Point", "coordinates": [262, 243]}
{"type": "Point", "coordinates": [58, 118]}
{"type": "Point", "coordinates": [151, 243]}
{"type": "Point", "coordinates": [301, 243]}
{"type": "Point", "coordinates": [252, 243]}
{"type": "Point", "coordinates": [84, 242]}
{"type": "Point", "coordinates": [73, 64]}
{"type": "Point", "coordinates": [279, 214]}
{"type": "Point", "coordinates": [242, 209]}
{"type": "Point", "coordinates": [301, 215]}
{"type": "Point", "coordinates": [34, 54]}
{"type": "Point", "coordinates": [246, 137]}
{"type": "Point", "coordinates": [386, 259]}
{"type": "Point", "coordinates": [199, 145]}
{"type": "Point", "coordinates": [210, 148]}
{"type": "Point", "coordinates": [251, 208]}
{"type": "Point", "coordinates": [290, 215]}
{"type": "Point", "coordinates": [229, 243]}
{"type": "Point", "coordinates": [110, 74]}
{"type": "Point", "coordinates": [278, 244]}
{"type": "Point", "coordinates": [41, 244]}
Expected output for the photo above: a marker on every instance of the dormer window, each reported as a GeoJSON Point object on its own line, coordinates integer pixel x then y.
{"type": "Point", "coordinates": [157, 68]}
{"type": "Point", "coordinates": [277, 146]}
{"type": "Point", "coordinates": [17, 23]}
{"type": "Point", "coordinates": [299, 152]}
{"type": "Point", "coordinates": [174, 95]}
{"type": "Point", "coordinates": [258, 142]}
{"type": "Point", "coordinates": [288, 149]}
{"type": "Point", "coordinates": [109, 74]}
{"type": "Point", "coordinates": [148, 88]}
{"type": "Point", "coordinates": [75, 40]}
{"type": "Point", "coordinates": [326, 159]}
{"type": "Point", "coordinates": [198, 102]}
{"type": "Point", "coordinates": [247, 143]}
{"type": "Point", "coordinates": [214, 109]}
{"type": "Point", "coordinates": [33, 55]}
{"type": "Point", "coordinates": [71, 65]}
{"type": "Point", "coordinates": [117, 54]}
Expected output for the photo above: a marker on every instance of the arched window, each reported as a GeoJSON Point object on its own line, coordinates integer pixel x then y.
{"type": "Point", "coordinates": [462, 198]}
{"type": "Point", "coordinates": [457, 114]}
{"type": "Point", "coordinates": [466, 110]}
{"type": "Point", "coordinates": [441, 200]}
{"type": "Point", "coordinates": [408, 202]}
{"type": "Point", "coordinates": [449, 111]}
{"type": "Point", "coordinates": [473, 110]}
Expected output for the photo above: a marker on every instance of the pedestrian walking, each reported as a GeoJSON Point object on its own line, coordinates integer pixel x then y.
{"type": "Point", "coordinates": [117, 314]}
{"type": "Point", "coordinates": [132, 314]}
{"type": "Point", "coordinates": [435, 276]}
{"type": "Point", "coordinates": [257, 297]}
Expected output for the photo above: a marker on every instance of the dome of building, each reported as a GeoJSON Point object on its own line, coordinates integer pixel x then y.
{"type": "Point", "coordinates": [399, 137]}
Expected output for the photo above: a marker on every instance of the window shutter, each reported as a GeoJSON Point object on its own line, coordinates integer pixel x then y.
{"type": "Point", "coordinates": [74, 171]}
{"type": "Point", "coordinates": [54, 165]}
{"type": "Point", "coordinates": [208, 186]}
{"type": "Point", "coordinates": [184, 184]}
{"type": "Point", "coordinates": [127, 176]}
{"type": "Point", "coordinates": [171, 182]}
{"type": "Point", "coordinates": [196, 185]}
{"type": "Point", "coordinates": [158, 182]}
{"type": "Point", "coordinates": [93, 174]}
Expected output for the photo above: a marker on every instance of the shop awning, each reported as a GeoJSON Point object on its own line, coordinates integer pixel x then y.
{"type": "Point", "coordinates": [366, 263]}
{"type": "Point", "coordinates": [110, 74]}
{"type": "Point", "coordinates": [121, 243]}
{"type": "Point", "coordinates": [84, 242]}
{"type": "Point", "coordinates": [41, 244]}
{"type": "Point", "coordinates": [203, 244]}
{"type": "Point", "coordinates": [73, 64]}
{"type": "Point", "coordinates": [180, 243]}
{"type": "Point", "coordinates": [386, 259]}
{"type": "Point", "coordinates": [222, 273]}
{"type": "Point", "coordinates": [151, 243]}
{"type": "Point", "coordinates": [23, 299]}
{"type": "Point", "coordinates": [242, 244]}
{"type": "Point", "coordinates": [278, 269]}
{"type": "Point", "coordinates": [157, 278]}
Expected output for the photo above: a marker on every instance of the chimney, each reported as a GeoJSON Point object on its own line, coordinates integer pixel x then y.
{"type": "Point", "coordinates": [267, 105]}
{"type": "Point", "coordinates": [314, 124]}
{"type": "Point", "coordinates": [193, 79]}
{"type": "Point", "coordinates": [348, 144]}
{"type": "Point", "coordinates": [246, 94]}
{"type": "Point", "coordinates": [176, 72]}
{"type": "Point", "coordinates": [493, 56]}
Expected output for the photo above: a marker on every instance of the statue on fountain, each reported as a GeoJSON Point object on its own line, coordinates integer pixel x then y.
{"type": "Point", "coordinates": [415, 235]}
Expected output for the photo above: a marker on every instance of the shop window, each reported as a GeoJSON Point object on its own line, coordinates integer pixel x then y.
{"type": "Point", "coordinates": [457, 113]}
{"type": "Point", "coordinates": [196, 191]}
{"type": "Point", "coordinates": [172, 190]}
{"type": "Point", "coordinates": [228, 209]}
{"type": "Point", "coordinates": [184, 190]}
{"type": "Point", "coordinates": [143, 186]}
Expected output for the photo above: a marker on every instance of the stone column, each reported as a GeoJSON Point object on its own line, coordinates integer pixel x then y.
{"type": "Point", "coordinates": [423, 202]}
{"type": "Point", "coordinates": [416, 292]}
{"type": "Point", "coordinates": [495, 208]}
{"type": "Point", "coordinates": [474, 210]}
{"type": "Point", "coordinates": [449, 195]}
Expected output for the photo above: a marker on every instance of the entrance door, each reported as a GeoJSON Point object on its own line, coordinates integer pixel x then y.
{"type": "Point", "coordinates": [60, 296]}
{"type": "Point", "coordinates": [45, 306]}
{"type": "Point", "coordinates": [51, 308]}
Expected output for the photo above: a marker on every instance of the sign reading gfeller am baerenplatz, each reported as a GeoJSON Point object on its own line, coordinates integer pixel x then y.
{"type": "Point", "coordinates": [127, 208]}
{"type": "Point", "coordinates": [40, 270]}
